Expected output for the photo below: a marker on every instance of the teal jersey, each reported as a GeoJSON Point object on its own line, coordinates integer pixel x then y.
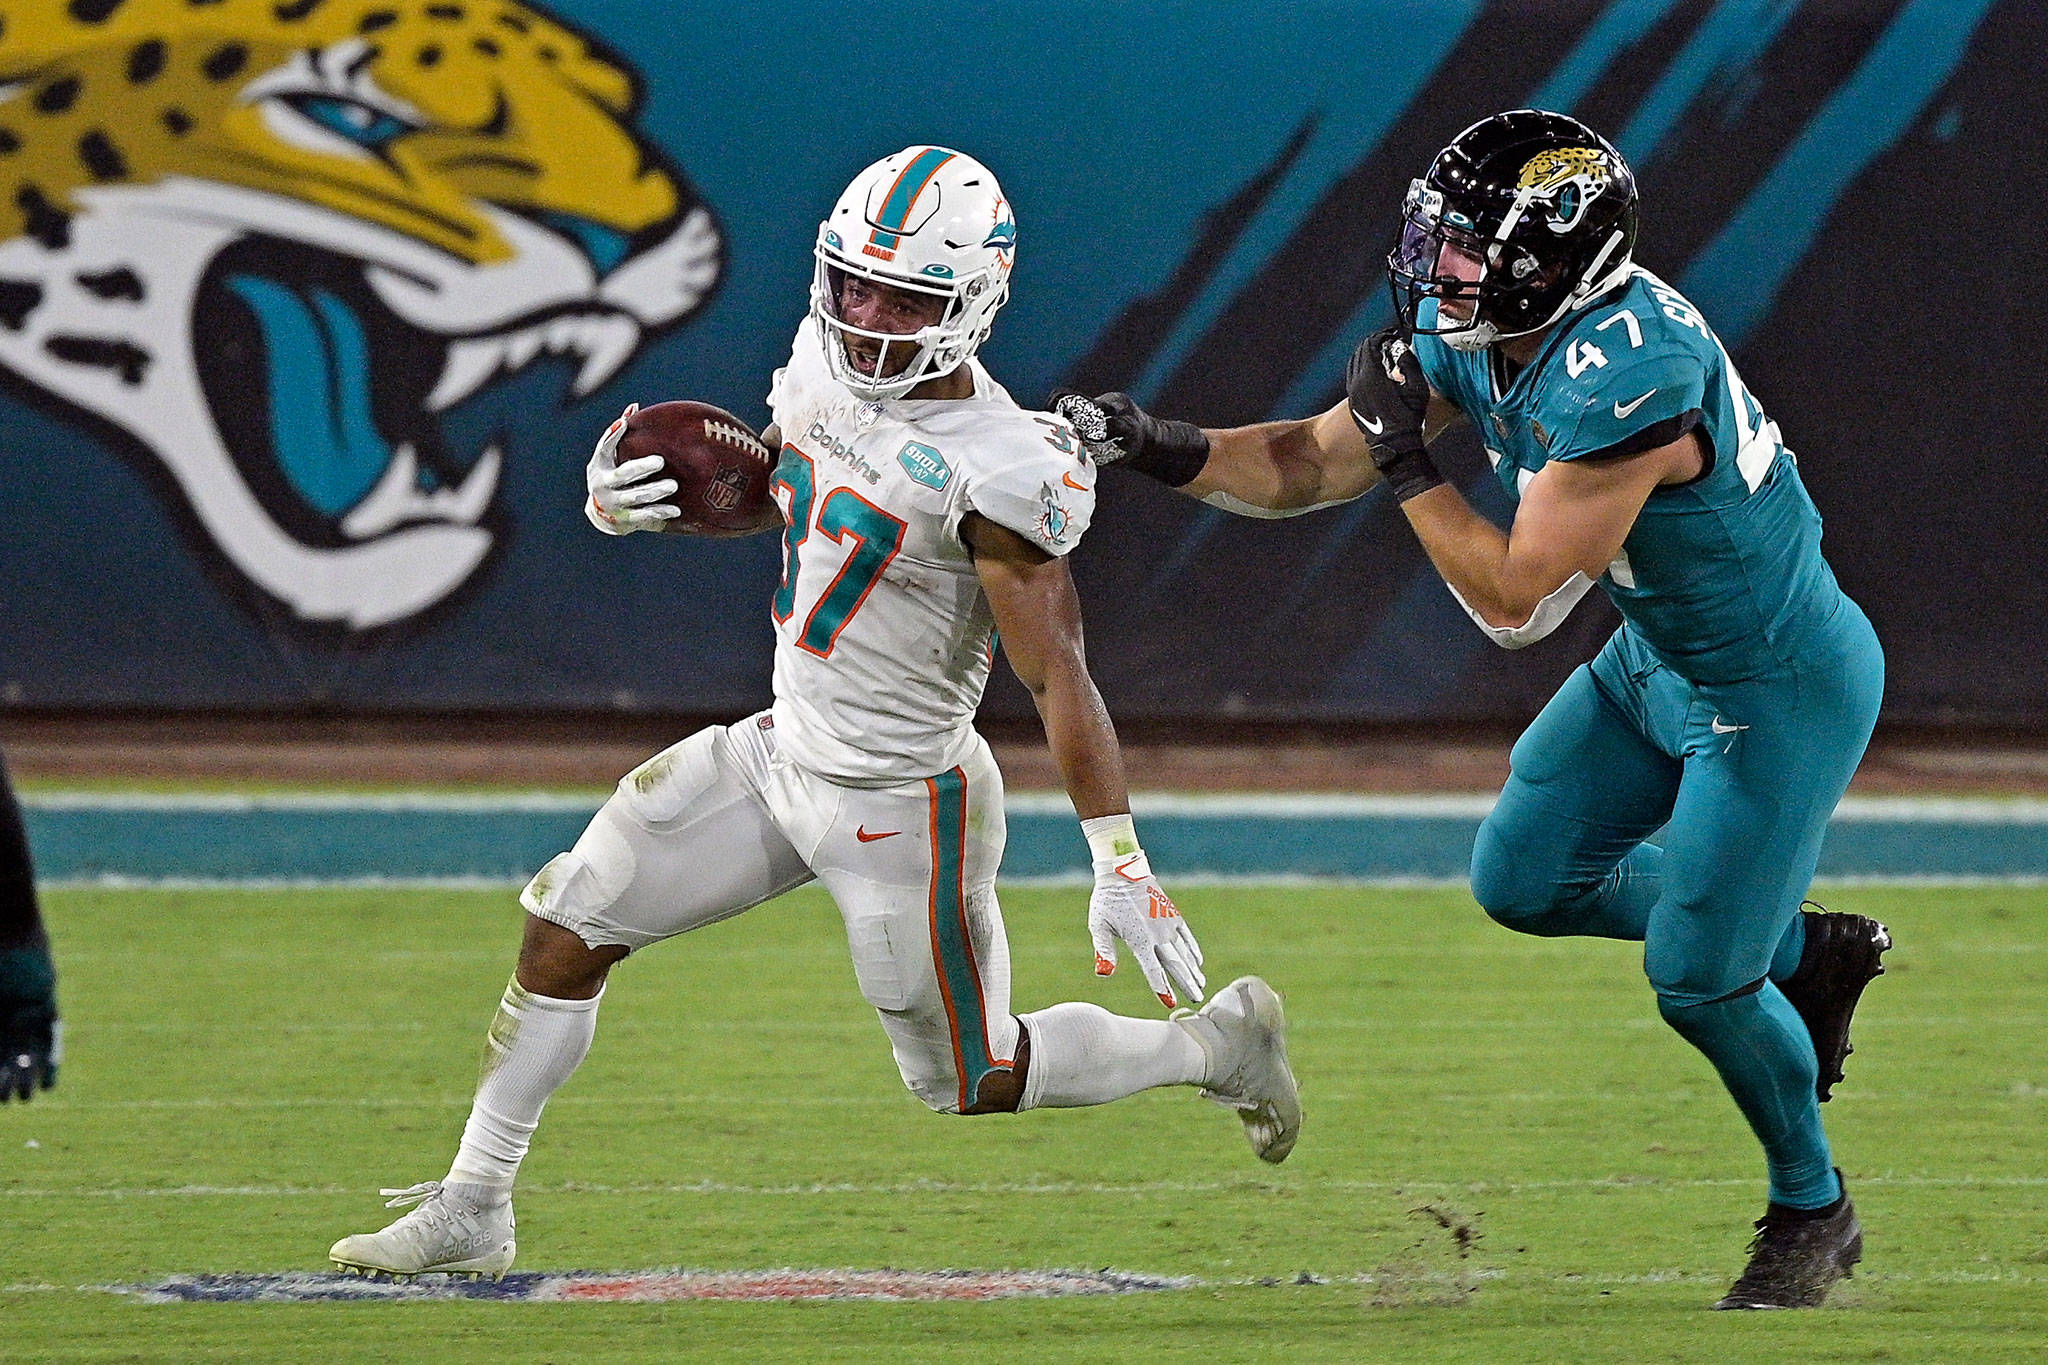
{"type": "Point", "coordinates": [1722, 577]}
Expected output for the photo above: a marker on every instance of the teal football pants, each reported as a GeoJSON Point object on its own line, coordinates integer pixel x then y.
{"type": "Point", "coordinates": [1741, 777]}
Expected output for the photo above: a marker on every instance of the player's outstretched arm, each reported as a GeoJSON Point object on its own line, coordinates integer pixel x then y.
{"type": "Point", "coordinates": [1038, 615]}
{"type": "Point", "coordinates": [1286, 468]}
{"type": "Point", "coordinates": [1271, 469]}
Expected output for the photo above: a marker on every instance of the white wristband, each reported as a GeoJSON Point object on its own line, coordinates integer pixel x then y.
{"type": "Point", "coordinates": [1111, 836]}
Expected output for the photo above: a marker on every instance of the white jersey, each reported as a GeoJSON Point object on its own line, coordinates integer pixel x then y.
{"type": "Point", "coordinates": [883, 638]}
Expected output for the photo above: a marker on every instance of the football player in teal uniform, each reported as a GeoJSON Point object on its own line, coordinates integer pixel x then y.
{"type": "Point", "coordinates": [31, 1038]}
{"type": "Point", "coordinates": [1734, 702]}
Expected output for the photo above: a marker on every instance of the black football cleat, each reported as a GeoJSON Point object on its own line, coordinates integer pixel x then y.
{"type": "Point", "coordinates": [1843, 954]}
{"type": "Point", "coordinates": [1796, 1258]}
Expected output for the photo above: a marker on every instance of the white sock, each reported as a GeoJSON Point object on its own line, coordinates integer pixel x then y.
{"type": "Point", "coordinates": [536, 1042]}
{"type": "Point", "coordinates": [1083, 1054]}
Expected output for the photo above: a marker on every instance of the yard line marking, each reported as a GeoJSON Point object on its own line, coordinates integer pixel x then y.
{"type": "Point", "coordinates": [1056, 1188]}
{"type": "Point", "coordinates": [239, 802]}
{"type": "Point", "coordinates": [1513, 949]}
{"type": "Point", "coordinates": [1648, 1022]}
{"type": "Point", "coordinates": [1056, 880]}
{"type": "Point", "coordinates": [830, 1028]}
{"type": "Point", "coordinates": [1862, 1277]}
{"type": "Point", "coordinates": [897, 1099]}
{"type": "Point", "coordinates": [2020, 810]}
{"type": "Point", "coordinates": [118, 882]}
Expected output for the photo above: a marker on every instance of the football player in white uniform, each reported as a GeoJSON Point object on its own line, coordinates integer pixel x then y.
{"type": "Point", "coordinates": [926, 512]}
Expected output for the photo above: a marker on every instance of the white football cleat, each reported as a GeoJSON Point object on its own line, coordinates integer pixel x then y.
{"type": "Point", "coordinates": [455, 1230]}
{"type": "Point", "coordinates": [1244, 1032]}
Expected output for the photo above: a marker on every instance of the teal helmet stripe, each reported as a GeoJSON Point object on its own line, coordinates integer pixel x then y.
{"type": "Point", "coordinates": [952, 942]}
{"type": "Point", "coordinates": [909, 184]}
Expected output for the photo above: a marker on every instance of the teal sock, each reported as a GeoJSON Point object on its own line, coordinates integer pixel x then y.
{"type": "Point", "coordinates": [1759, 1044]}
{"type": "Point", "coordinates": [26, 974]}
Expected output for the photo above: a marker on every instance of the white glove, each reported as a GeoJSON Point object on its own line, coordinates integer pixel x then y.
{"type": "Point", "coordinates": [619, 502]}
{"type": "Point", "coordinates": [1129, 904]}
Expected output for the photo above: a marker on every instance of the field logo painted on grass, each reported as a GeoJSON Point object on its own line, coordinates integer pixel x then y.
{"type": "Point", "coordinates": [661, 1286]}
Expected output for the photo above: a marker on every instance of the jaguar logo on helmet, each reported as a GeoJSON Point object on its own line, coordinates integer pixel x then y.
{"type": "Point", "coordinates": [1567, 180]}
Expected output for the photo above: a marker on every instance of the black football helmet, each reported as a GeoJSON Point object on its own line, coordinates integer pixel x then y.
{"type": "Point", "coordinates": [1524, 217]}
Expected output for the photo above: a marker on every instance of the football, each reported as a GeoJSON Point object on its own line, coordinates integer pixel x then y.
{"type": "Point", "coordinates": [721, 468]}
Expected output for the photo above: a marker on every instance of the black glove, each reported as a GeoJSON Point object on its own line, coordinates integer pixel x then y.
{"type": "Point", "coordinates": [1117, 431]}
{"type": "Point", "coordinates": [1389, 399]}
{"type": "Point", "coordinates": [29, 1048]}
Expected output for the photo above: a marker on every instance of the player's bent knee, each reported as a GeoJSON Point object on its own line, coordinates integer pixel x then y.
{"type": "Point", "coordinates": [1000, 1092]}
{"type": "Point", "coordinates": [579, 890]}
{"type": "Point", "coordinates": [1704, 1021]}
{"type": "Point", "coordinates": [1686, 980]}
{"type": "Point", "coordinates": [1673, 998]}
{"type": "Point", "coordinates": [556, 962]}
{"type": "Point", "coordinates": [1684, 973]}
{"type": "Point", "coordinates": [1515, 890]}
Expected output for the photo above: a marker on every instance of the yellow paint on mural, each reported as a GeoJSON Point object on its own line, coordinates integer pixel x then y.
{"type": "Point", "coordinates": [499, 105]}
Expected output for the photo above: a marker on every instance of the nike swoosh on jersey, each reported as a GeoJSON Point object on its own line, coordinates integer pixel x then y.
{"type": "Point", "coordinates": [1624, 409]}
{"type": "Point", "coordinates": [867, 838]}
{"type": "Point", "coordinates": [1068, 480]}
{"type": "Point", "coordinates": [1722, 728]}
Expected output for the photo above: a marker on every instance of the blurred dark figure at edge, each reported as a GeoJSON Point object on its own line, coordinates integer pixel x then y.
{"type": "Point", "coordinates": [30, 1036]}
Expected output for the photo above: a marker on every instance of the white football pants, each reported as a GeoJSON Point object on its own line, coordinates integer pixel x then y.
{"type": "Point", "coordinates": [721, 822]}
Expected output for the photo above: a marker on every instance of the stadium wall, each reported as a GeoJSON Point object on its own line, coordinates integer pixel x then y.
{"type": "Point", "coordinates": [245, 469]}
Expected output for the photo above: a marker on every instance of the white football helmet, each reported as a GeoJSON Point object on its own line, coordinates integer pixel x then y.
{"type": "Point", "coordinates": [929, 220]}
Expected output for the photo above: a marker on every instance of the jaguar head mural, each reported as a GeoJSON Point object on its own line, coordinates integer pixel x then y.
{"type": "Point", "coordinates": [272, 242]}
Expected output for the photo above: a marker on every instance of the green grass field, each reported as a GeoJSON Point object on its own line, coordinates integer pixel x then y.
{"type": "Point", "coordinates": [246, 1068]}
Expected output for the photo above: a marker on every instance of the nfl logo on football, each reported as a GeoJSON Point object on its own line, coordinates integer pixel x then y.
{"type": "Point", "coordinates": [724, 492]}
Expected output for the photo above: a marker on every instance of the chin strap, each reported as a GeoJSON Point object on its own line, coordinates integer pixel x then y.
{"type": "Point", "coordinates": [1592, 285]}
